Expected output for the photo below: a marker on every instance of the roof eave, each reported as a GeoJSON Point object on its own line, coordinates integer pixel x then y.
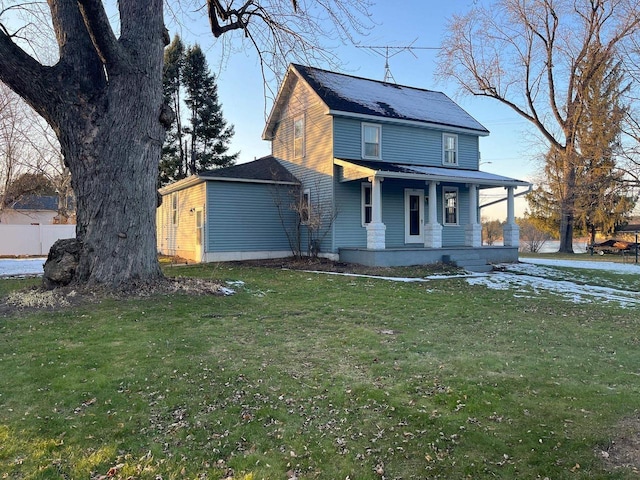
{"type": "Point", "coordinates": [415, 123]}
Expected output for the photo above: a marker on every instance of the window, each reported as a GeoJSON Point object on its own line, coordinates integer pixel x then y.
{"type": "Point", "coordinates": [450, 149]}
{"type": "Point", "coordinates": [367, 204]}
{"type": "Point", "coordinates": [450, 203]}
{"type": "Point", "coordinates": [371, 141]}
{"type": "Point", "coordinates": [298, 137]}
{"type": "Point", "coordinates": [174, 208]}
{"type": "Point", "coordinates": [305, 206]}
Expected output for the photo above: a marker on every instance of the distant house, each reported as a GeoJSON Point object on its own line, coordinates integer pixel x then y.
{"type": "Point", "coordinates": [391, 172]}
{"type": "Point", "coordinates": [31, 210]}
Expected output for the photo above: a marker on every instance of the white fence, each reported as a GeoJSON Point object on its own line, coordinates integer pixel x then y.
{"type": "Point", "coordinates": [32, 239]}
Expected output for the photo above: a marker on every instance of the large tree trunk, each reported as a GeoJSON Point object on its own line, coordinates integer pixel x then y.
{"type": "Point", "coordinates": [104, 101]}
{"type": "Point", "coordinates": [114, 159]}
{"type": "Point", "coordinates": [567, 205]}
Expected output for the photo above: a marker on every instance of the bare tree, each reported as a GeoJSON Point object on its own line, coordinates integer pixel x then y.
{"type": "Point", "coordinates": [12, 138]}
{"type": "Point", "coordinates": [532, 238]}
{"type": "Point", "coordinates": [538, 57]}
{"type": "Point", "coordinates": [103, 99]}
{"type": "Point", "coordinates": [491, 231]}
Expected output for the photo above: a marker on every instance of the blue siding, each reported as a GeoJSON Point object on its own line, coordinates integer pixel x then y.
{"type": "Point", "coordinates": [243, 217]}
{"type": "Point", "coordinates": [403, 144]}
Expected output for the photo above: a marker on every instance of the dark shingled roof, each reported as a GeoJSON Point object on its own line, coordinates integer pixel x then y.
{"type": "Point", "coordinates": [265, 169]}
{"type": "Point", "coordinates": [37, 202]}
{"type": "Point", "coordinates": [362, 96]}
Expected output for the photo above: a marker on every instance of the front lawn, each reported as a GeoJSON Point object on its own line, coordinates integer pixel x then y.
{"type": "Point", "coordinates": [316, 376]}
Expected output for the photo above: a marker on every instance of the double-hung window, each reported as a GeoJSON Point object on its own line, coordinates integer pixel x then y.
{"type": "Point", "coordinates": [449, 149]}
{"type": "Point", "coordinates": [298, 137]}
{"type": "Point", "coordinates": [371, 141]}
{"type": "Point", "coordinates": [174, 209]}
{"type": "Point", "coordinates": [305, 206]}
{"type": "Point", "coordinates": [367, 204]}
{"type": "Point", "coordinates": [450, 204]}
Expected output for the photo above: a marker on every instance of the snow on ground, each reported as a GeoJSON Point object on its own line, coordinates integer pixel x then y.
{"type": "Point", "coordinates": [11, 267]}
{"type": "Point", "coordinates": [535, 276]}
{"type": "Point", "coordinates": [608, 266]}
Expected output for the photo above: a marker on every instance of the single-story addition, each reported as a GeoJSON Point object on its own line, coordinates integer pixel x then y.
{"type": "Point", "coordinates": [388, 175]}
{"type": "Point", "coordinates": [228, 214]}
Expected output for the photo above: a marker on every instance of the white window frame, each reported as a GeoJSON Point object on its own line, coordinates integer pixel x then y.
{"type": "Point", "coordinates": [175, 204]}
{"type": "Point", "coordinates": [305, 206]}
{"type": "Point", "coordinates": [299, 142]}
{"type": "Point", "coordinates": [446, 151]}
{"type": "Point", "coordinates": [446, 190]}
{"type": "Point", "coordinates": [364, 205]}
{"type": "Point", "coordinates": [364, 144]}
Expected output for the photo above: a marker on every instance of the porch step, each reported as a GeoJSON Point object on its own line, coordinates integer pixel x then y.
{"type": "Point", "coordinates": [472, 262]}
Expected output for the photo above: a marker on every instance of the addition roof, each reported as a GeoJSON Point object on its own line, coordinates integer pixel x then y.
{"type": "Point", "coordinates": [418, 172]}
{"type": "Point", "coordinates": [37, 202]}
{"type": "Point", "coordinates": [263, 170]}
{"type": "Point", "coordinates": [347, 95]}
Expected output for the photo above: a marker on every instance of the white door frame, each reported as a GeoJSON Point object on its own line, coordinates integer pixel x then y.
{"type": "Point", "coordinates": [409, 236]}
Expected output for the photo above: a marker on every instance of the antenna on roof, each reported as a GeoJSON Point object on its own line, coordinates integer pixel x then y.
{"type": "Point", "coordinates": [388, 51]}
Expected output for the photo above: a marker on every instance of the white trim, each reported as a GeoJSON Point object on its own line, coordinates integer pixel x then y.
{"type": "Point", "coordinates": [378, 127]}
{"type": "Point", "coordinates": [363, 205]}
{"type": "Point", "coordinates": [444, 206]}
{"type": "Point", "coordinates": [414, 123]}
{"type": "Point", "coordinates": [446, 135]}
{"type": "Point", "coordinates": [408, 193]}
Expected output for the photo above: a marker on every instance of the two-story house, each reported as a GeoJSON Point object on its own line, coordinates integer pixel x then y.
{"type": "Point", "coordinates": [391, 171]}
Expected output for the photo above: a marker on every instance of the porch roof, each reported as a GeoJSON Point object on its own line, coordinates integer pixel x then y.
{"type": "Point", "coordinates": [358, 169]}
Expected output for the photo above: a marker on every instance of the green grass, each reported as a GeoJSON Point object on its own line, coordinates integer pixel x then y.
{"type": "Point", "coordinates": [323, 376]}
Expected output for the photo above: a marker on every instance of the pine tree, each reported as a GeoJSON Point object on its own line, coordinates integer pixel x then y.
{"type": "Point", "coordinates": [210, 134]}
{"type": "Point", "coordinates": [202, 143]}
{"type": "Point", "coordinates": [173, 160]}
{"type": "Point", "coordinates": [602, 201]}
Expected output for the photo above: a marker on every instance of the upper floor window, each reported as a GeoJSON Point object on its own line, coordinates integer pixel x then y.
{"type": "Point", "coordinates": [298, 137]}
{"type": "Point", "coordinates": [450, 203]}
{"type": "Point", "coordinates": [449, 149]}
{"type": "Point", "coordinates": [371, 140]}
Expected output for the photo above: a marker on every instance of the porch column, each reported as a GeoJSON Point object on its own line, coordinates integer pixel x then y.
{"type": "Point", "coordinates": [473, 230]}
{"type": "Point", "coordinates": [376, 229]}
{"type": "Point", "coordinates": [433, 230]}
{"type": "Point", "coordinates": [511, 231]}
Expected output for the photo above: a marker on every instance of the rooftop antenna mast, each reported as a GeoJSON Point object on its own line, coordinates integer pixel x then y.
{"type": "Point", "coordinates": [388, 51]}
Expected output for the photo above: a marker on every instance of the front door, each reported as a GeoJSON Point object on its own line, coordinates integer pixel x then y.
{"type": "Point", "coordinates": [413, 215]}
{"type": "Point", "coordinates": [199, 213]}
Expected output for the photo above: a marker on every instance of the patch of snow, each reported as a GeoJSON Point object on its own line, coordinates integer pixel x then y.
{"type": "Point", "coordinates": [12, 267]}
{"type": "Point", "coordinates": [227, 291]}
{"type": "Point", "coordinates": [592, 265]}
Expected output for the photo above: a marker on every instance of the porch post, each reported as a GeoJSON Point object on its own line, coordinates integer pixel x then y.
{"type": "Point", "coordinates": [376, 229]}
{"type": "Point", "coordinates": [433, 230]}
{"type": "Point", "coordinates": [511, 231]}
{"type": "Point", "coordinates": [473, 230]}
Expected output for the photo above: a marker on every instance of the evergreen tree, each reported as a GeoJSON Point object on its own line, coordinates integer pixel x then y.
{"type": "Point", "coordinates": [172, 162]}
{"type": "Point", "coordinates": [210, 134]}
{"type": "Point", "coordinates": [202, 143]}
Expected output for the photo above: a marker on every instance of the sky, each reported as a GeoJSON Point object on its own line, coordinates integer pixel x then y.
{"type": "Point", "coordinates": [421, 23]}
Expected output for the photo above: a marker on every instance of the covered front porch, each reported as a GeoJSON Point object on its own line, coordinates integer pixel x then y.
{"type": "Point", "coordinates": [441, 218]}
